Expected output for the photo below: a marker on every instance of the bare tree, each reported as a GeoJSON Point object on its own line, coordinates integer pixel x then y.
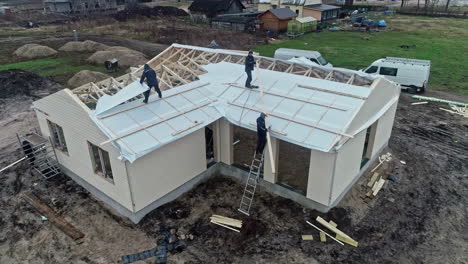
{"type": "Point", "coordinates": [447, 5]}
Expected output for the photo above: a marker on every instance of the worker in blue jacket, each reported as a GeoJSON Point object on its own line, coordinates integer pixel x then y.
{"type": "Point", "coordinates": [150, 75]}
{"type": "Point", "coordinates": [249, 67]}
{"type": "Point", "coordinates": [261, 133]}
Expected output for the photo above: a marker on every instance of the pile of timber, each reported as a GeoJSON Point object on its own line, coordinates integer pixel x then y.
{"type": "Point", "coordinates": [229, 223]}
{"type": "Point", "coordinates": [332, 226]}
{"type": "Point", "coordinates": [375, 185]}
{"type": "Point", "coordinates": [463, 111]}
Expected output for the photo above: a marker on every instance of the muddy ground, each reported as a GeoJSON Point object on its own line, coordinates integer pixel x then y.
{"type": "Point", "coordinates": [422, 219]}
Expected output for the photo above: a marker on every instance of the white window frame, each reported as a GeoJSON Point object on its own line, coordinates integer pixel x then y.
{"type": "Point", "coordinates": [103, 173]}
{"type": "Point", "coordinates": [58, 137]}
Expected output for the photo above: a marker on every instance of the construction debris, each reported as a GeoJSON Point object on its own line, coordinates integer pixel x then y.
{"type": "Point", "coordinates": [378, 185]}
{"type": "Point", "coordinates": [372, 180]}
{"type": "Point", "coordinates": [229, 223]}
{"type": "Point", "coordinates": [463, 111]}
{"type": "Point", "coordinates": [340, 234]}
{"type": "Point", "coordinates": [339, 242]}
{"type": "Point", "coordinates": [323, 238]}
{"type": "Point", "coordinates": [382, 159]}
{"type": "Point", "coordinates": [432, 99]}
{"type": "Point", "coordinates": [52, 216]}
{"type": "Point", "coordinates": [307, 237]}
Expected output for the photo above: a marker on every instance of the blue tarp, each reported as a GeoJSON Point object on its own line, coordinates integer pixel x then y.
{"type": "Point", "coordinates": [381, 23]}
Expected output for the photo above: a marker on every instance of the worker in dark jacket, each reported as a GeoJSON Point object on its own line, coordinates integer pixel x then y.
{"type": "Point", "coordinates": [261, 133]}
{"type": "Point", "coordinates": [152, 81]}
{"type": "Point", "coordinates": [249, 67]}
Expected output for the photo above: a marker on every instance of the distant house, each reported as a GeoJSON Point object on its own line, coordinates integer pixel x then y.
{"type": "Point", "coordinates": [303, 8]}
{"type": "Point", "coordinates": [296, 6]}
{"type": "Point", "coordinates": [322, 12]}
{"type": "Point", "coordinates": [240, 21]}
{"type": "Point", "coordinates": [208, 9]}
{"type": "Point", "coordinates": [80, 7]}
{"type": "Point", "coordinates": [277, 19]}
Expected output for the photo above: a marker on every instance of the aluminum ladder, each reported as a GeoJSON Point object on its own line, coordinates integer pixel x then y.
{"type": "Point", "coordinates": [251, 184]}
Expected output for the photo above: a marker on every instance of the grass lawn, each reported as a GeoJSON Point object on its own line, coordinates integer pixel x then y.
{"type": "Point", "coordinates": [441, 40]}
{"type": "Point", "coordinates": [60, 68]}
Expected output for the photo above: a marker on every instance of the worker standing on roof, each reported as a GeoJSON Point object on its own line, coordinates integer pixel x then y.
{"type": "Point", "coordinates": [261, 133]}
{"type": "Point", "coordinates": [150, 75]}
{"type": "Point", "coordinates": [249, 67]}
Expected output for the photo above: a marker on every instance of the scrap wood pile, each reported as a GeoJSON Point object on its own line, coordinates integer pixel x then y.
{"type": "Point", "coordinates": [376, 182]}
{"type": "Point", "coordinates": [458, 110]}
{"type": "Point", "coordinates": [229, 223]}
{"type": "Point", "coordinates": [340, 236]}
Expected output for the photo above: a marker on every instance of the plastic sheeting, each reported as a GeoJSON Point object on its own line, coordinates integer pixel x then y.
{"type": "Point", "coordinates": [307, 117]}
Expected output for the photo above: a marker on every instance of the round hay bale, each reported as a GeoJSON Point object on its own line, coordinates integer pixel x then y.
{"type": "Point", "coordinates": [32, 51]}
{"type": "Point", "coordinates": [87, 45]}
{"type": "Point", "coordinates": [126, 57]}
{"type": "Point", "coordinates": [85, 76]}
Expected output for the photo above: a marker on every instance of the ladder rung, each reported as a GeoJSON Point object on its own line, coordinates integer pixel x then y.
{"type": "Point", "coordinates": [249, 191]}
{"type": "Point", "coordinates": [244, 212]}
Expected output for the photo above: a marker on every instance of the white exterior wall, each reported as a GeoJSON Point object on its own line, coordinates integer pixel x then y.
{"type": "Point", "coordinates": [67, 111]}
{"type": "Point", "coordinates": [160, 172]}
{"type": "Point", "coordinates": [384, 129]}
{"type": "Point", "coordinates": [348, 163]}
{"type": "Point", "coordinates": [320, 176]}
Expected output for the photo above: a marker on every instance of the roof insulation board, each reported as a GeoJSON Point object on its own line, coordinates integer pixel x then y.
{"type": "Point", "coordinates": [303, 116]}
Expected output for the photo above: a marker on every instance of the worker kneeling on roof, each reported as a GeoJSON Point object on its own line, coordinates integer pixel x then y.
{"type": "Point", "coordinates": [261, 133]}
{"type": "Point", "coordinates": [150, 75]}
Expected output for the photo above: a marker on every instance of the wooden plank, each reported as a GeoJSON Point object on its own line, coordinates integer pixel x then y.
{"type": "Point", "coordinates": [375, 184]}
{"type": "Point", "coordinates": [333, 92]}
{"type": "Point", "coordinates": [227, 222]}
{"type": "Point", "coordinates": [379, 186]}
{"type": "Point", "coordinates": [332, 223]}
{"type": "Point", "coordinates": [225, 226]}
{"type": "Point", "coordinates": [347, 240]}
{"type": "Point", "coordinates": [339, 242]}
{"type": "Point", "coordinates": [323, 238]}
{"type": "Point", "coordinates": [187, 128]}
{"type": "Point", "coordinates": [154, 123]}
{"type": "Point", "coordinates": [336, 230]}
{"type": "Point", "coordinates": [373, 179]}
{"type": "Point", "coordinates": [307, 237]}
{"type": "Point", "coordinates": [227, 218]}
{"type": "Point", "coordinates": [419, 103]}
{"type": "Point", "coordinates": [53, 217]}
{"type": "Point", "coordinates": [292, 120]}
{"type": "Point", "coordinates": [151, 101]}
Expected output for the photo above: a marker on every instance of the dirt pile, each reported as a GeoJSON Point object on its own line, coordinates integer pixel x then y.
{"type": "Point", "coordinates": [126, 57]}
{"type": "Point", "coordinates": [85, 76]}
{"type": "Point", "coordinates": [157, 11]}
{"type": "Point", "coordinates": [18, 82]}
{"type": "Point", "coordinates": [32, 51]}
{"type": "Point", "coordinates": [87, 45]}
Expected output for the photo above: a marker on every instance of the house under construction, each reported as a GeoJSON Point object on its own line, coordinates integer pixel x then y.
{"type": "Point", "coordinates": [136, 156]}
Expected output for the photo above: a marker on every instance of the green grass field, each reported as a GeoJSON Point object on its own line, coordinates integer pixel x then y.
{"type": "Point", "coordinates": [440, 40]}
{"type": "Point", "coordinates": [51, 66]}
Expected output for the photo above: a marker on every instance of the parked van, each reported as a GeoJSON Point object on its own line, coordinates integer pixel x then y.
{"type": "Point", "coordinates": [412, 75]}
{"type": "Point", "coordinates": [313, 56]}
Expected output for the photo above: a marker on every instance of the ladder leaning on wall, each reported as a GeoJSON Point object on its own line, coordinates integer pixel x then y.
{"type": "Point", "coordinates": [251, 183]}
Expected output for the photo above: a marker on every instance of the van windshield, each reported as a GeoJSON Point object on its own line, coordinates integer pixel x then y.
{"type": "Point", "coordinates": [322, 60]}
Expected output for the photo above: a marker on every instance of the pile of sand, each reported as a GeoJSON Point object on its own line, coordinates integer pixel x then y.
{"type": "Point", "coordinates": [85, 76]}
{"type": "Point", "coordinates": [32, 51]}
{"type": "Point", "coordinates": [126, 57]}
{"type": "Point", "coordinates": [87, 45]}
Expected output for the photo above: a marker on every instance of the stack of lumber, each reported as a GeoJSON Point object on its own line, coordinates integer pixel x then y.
{"type": "Point", "coordinates": [375, 185]}
{"type": "Point", "coordinates": [229, 223]}
{"type": "Point", "coordinates": [340, 235]}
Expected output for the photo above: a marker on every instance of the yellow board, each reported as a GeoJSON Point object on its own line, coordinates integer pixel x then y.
{"type": "Point", "coordinates": [307, 237]}
{"type": "Point", "coordinates": [323, 238]}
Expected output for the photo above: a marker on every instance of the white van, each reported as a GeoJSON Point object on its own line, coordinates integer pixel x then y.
{"type": "Point", "coordinates": [313, 56]}
{"type": "Point", "coordinates": [411, 74]}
